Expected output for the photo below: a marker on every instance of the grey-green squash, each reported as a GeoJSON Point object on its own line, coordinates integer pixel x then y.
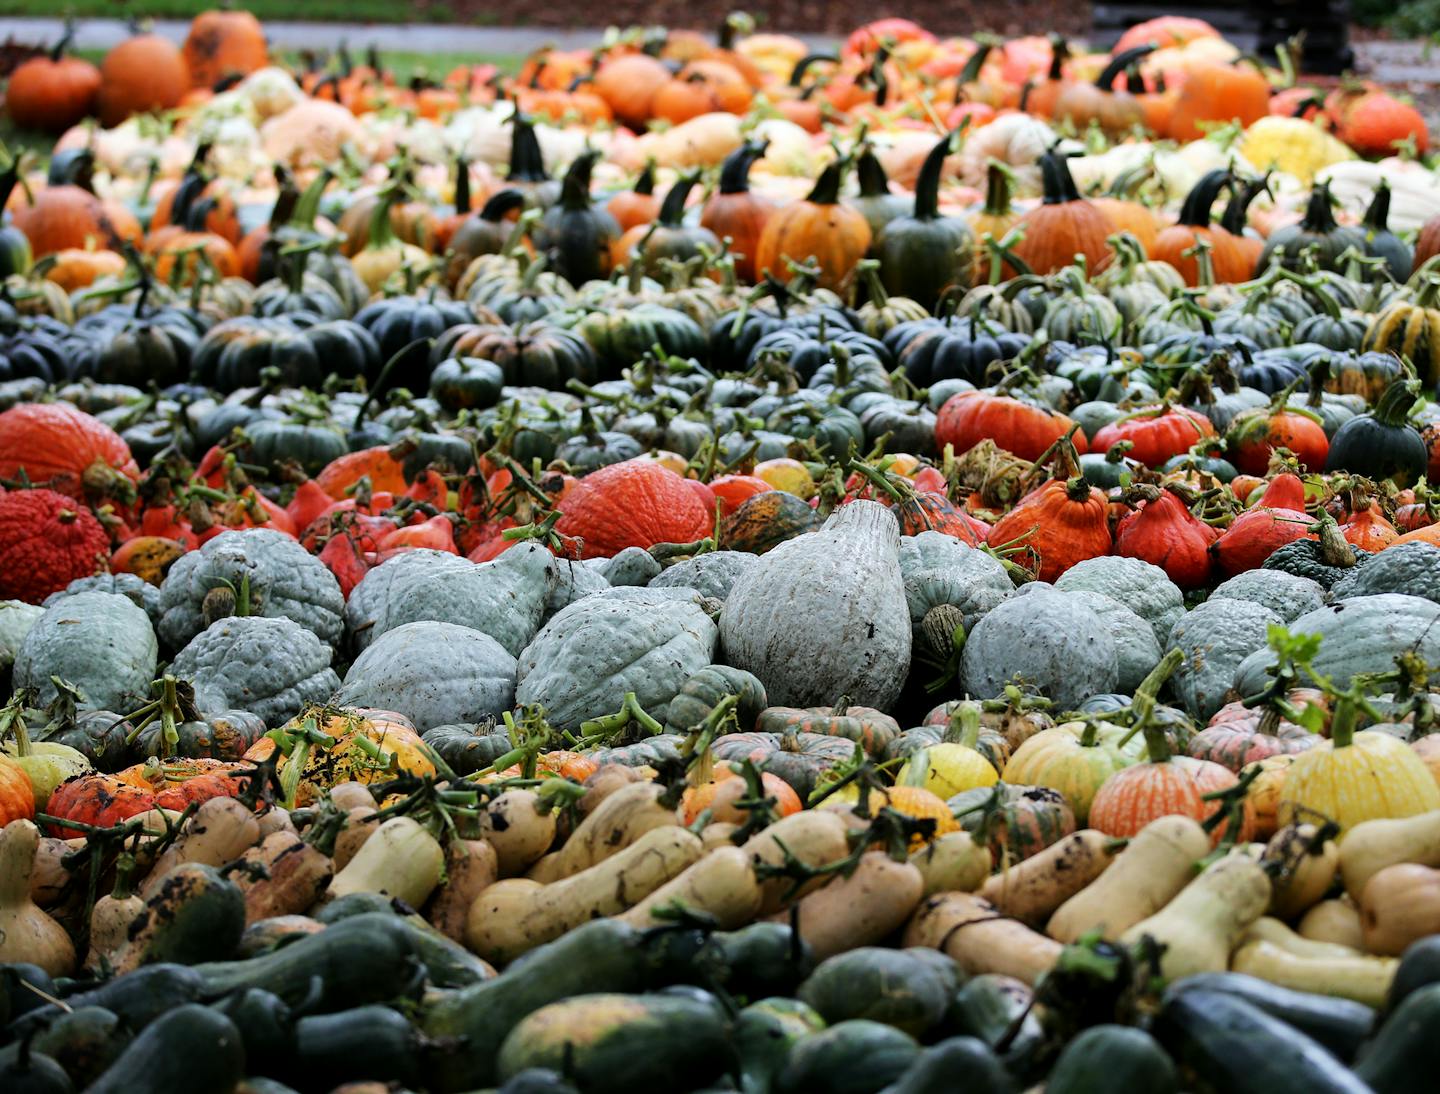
{"type": "Point", "coordinates": [908, 989]}
{"type": "Point", "coordinates": [1215, 638]}
{"type": "Point", "coordinates": [1363, 634]}
{"type": "Point", "coordinates": [1143, 588]}
{"type": "Point", "coordinates": [141, 592]}
{"type": "Point", "coordinates": [279, 578]}
{"type": "Point", "coordinates": [649, 641]}
{"type": "Point", "coordinates": [825, 615]}
{"type": "Point", "coordinates": [433, 673]}
{"type": "Point", "coordinates": [938, 569]}
{"type": "Point", "coordinates": [1409, 568]}
{"type": "Point", "coordinates": [504, 598]}
{"type": "Point", "coordinates": [1048, 640]}
{"type": "Point", "coordinates": [707, 689]}
{"type": "Point", "coordinates": [712, 574]}
{"type": "Point", "coordinates": [852, 1057]}
{"type": "Point", "coordinates": [573, 581]}
{"type": "Point", "coordinates": [100, 642]}
{"type": "Point", "coordinates": [16, 619]}
{"type": "Point", "coordinates": [269, 666]}
{"type": "Point", "coordinates": [632, 567]}
{"type": "Point", "coordinates": [1287, 595]}
{"type": "Point", "coordinates": [1136, 650]}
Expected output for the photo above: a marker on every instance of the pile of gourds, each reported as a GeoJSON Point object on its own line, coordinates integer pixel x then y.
{"type": "Point", "coordinates": [807, 637]}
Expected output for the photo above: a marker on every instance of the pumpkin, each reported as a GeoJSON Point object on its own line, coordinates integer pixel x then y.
{"type": "Point", "coordinates": [850, 571]}
{"type": "Point", "coordinates": [577, 234]}
{"type": "Point", "coordinates": [1163, 532]}
{"type": "Point", "coordinates": [764, 521]}
{"type": "Point", "coordinates": [875, 730]}
{"type": "Point", "coordinates": [222, 45]}
{"type": "Point", "coordinates": [1115, 111]}
{"type": "Point", "coordinates": [1228, 261]}
{"type": "Point", "coordinates": [67, 216]}
{"type": "Point", "coordinates": [47, 540]}
{"type": "Point", "coordinates": [819, 227]}
{"type": "Point", "coordinates": [876, 202]}
{"type": "Point", "coordinates": [1382, 444]}
{"type": "Point", "coordinates": [1257, 532]}
{"type": "Point", "coordinates": [1074, 759]}
{"type": "Point", "coordinates": [1355, 777]}
{"type": "Point", "coordinates": [98, 641]}
{"type": "Point", "coordinates": [638, 205]}
{"type": "Point", "coordinates": [703, 692]}
{"type": "Point", "coordinates": [1155, 433]}
{"type": "Point", "coordinates": [17, 796]}
{"type": "Point", "coordinates": [736, 212]}
{"type": "Point", "coordinates": [1061, 523]}
{"type": "Point", "coordinates": [1316, 233]}
{"type": "Point", "coordinates": [486, 232]}
{"type": "Point", "coordinates": [1064, 225]}
{"type": "Point", "coordinates": [52, 92]}
{"type": "Point", "coordinates": [628, 82]}
{"type": "Point", "coordinates": [1218, 93]}
{"type": "Point", "coordinates": [668, 238]}
{"type": "Point", "coordinates": [801, 759]}
{"type": "Point", "coordinates": [331, 751]}
{"type": "Point", "coordinates": [1239, 735]}
{"type": "Point", "coordinates": [1410, 327]}
{"type": "Point", "coordinates": [1025, 429]}
{"type": "Point", "coordinates": [1014, 822]}
{"type": "Point", "coordinates": [701, 87]}
{"type": "Point", "coordinates": [636, 503]}
{"type": "Point", "coordinates": [924, 255]}
{"type": "Point", "coordinates": [142, 74]}
{"type": "Point", "coordinates": [1380, 241]}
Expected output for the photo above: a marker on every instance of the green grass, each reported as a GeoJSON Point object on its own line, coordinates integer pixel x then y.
{"type": "Point", "coordinates": [347, 11]}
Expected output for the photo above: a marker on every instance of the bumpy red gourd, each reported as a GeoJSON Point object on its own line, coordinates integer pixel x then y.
{"type": "Point", "coordinates": [58, 446]}
{"type": "Point", "coordinates": [47, 540]}
{"type": "Point", "coordinates": [635, 503]}
{"type": "Point", "coordinates": [1164, 533]}
{"type": "Point", "coordinates": [1257, 533]}
{"type": "Point", "coordinates": [1064, 522]}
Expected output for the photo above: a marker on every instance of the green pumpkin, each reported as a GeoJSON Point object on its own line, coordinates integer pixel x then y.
{"type": "Point", "coordinates": [311, 444]}
{"type": "Point", "coordinates": [924, 255]}
{"type": "Point", "coordinates": [101, 642]}
{"type": "Point", "coordinates": [670, 238]}
{"type": "Point", "coordinates": [1380, 241]}
{"type": "Point", "coordinates": [622, 337]}
{"type": "Point", "coordinates": [234, 354]}
{"type": "Point", "coordinates": [909, 990]}
{"type": "Point", "coordinates": [1112, 1057]}
{"type": "Point", "coordinates": [706, 689]}
{"type": "Point", "coordinates": [138, 352]}
{"type": "Point", "coordinates": [1317, 230]}
{"type": "Point", "coordinates": [536, 354]}
{"type": "Point", "coordinates": [575, 232]}
{"type": "Point", "coordinates": [221, 735]}
{"type": "Point", "coordinates": [268, 667]}
{"type": "Point", "coordinates": [465, 383]}
{"type": "Point", "coordinates": [527, 172]}
{"type": "Point", "coordinates": [469, 748]}
{"type": "Point", "coordinates": [852, 1057]}
{"type": "Point", "coordinates": [765, 521]}
{"type": "Point", "coordinates": [876, 202]}
{"type": "Point", "coordinates": [663, 748]}
{"type": "Point", "coordinates": [1383, 444]}
{"type": "Point", "coordinates": [593, 448]}
{"type": "Point", "coordinates": [834, 429]}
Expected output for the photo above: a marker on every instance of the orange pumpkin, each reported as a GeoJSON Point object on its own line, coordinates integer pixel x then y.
{"type": "Point", "coordinates": [71, 217]}
{"type": "Point", "coordinates": [629, 83]}
{"type": "Point", "coordinates": [141, 74]}
{"type": "Point", "coordinates": [820, 228]}
{"type": "Point", "coordinates": [1229, 261]}
{"type": "Point", "coordinates": [222, 45]}
{"type": "Point", "coordinates": [52, 92]}
{"type": "Point", "coordinates": [727, 788]}
{"type": "Point", "coordinates": [702, 87]}
{"type": "Point", "coordinates": [638, 205]}
{"type": "Point", "coordinates": [65, 449]}
{"type": "Point", "coordinates": [1218, 93]}
{"type": "Point", "coordinates": [1022, 428]}
{"type": "Point", "coordinates": [1064, 522]}
{"type": "Point", "coordinates": [738, 212]}
{"type": "Point", "coordinates": [635, 503]}
{"type": "Point", "coordinates": [78, 267]}
{"type": "Point", "coordinates": [17, 794]}
{"type": "Point", "coordinates": [1064, 225]}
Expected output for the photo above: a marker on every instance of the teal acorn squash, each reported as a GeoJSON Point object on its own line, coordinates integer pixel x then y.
{"type": "Point", "coordinates": [269, 667]}
{"type": "Point", "coordinates": [1215, 638]}
{"type": "Point", "coordinates": [100, 642]}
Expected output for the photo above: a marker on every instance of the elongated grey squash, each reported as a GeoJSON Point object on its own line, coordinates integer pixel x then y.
{"type": "Point", "coordinates": [824, 614]}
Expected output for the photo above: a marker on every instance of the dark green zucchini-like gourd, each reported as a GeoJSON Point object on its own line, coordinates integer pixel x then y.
{"type": "Point", "coordinates": [191, 1050]}
{"type": "Point", "coordinates": [997, 1010]}
{"type": "Point", "coordinates": [939, 1068]}
{"type": "Point", "coordinates": [1382, 444]}
{"type": "Point", "coordinates": [908, 989]}
{"type": "Point", "coordinates": [757, 961]}
{"type": "Point", "coordinates": [266, 1026]}
{"type": "Point", "coordinates": [575, 232]}
{"type": "Point", "coordinates": [374, 1043]}
{"type": "Point", "coordinates": [85, 1041]}
{"type": "Point", "coordinates": [1419, 967]}
{"type": "Point", "coordinates": [1340, 1025]}
{"type": "Point", "coordinates": [1107, 1057]}
{"type": "Point", "coordinates": [764, 1033]}
{"type": "Point", "coordinates": [847, 1058]}
{"type": "Point", "coordinates": [1404, 1055]}
{"type": "Point", "coordinates": [924, 254]}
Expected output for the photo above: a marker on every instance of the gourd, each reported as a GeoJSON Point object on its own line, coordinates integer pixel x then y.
{"type": "Point", "coordinates": [1105, 1054]}
{"type": "Point", "coordinates": [940, 570]}
{"type": "Point", "coordinates": [854, 1055]}
{"type": "Point", "coordinates": [712, 574]}
{"type": "Point", "coordinates": [1157, 863]}
{"type": "Point", "coordinates": [909, 989]}
{"type": "Point", "coordinates": [1033, 889]}
{"type": "Point", "coordinates": [862, 909]}
{"type": "Point", "coordinates": [1372, 845]}
{"type": "Point", "coordinates": [972, 931]}
{"type": "Point", "coordinates": [269, 666]}
{"type": "Point", "coordinates": [194, 912]}
{"type": "Point", "coordinates": [520, 829]}
{"type": "Point", "coordinates": [1074, 758]}
{"type": "Point", "coordinates": [268, 571]}
{"type": "Point", "coordinates": [847, 574]}
{"type": "Point", "coordinates": [722, 886]}
{"type": "Point", "coordinates": [1140, 586]}
{"type": "Point", "coordinates": [1344, 975]}
{"type": "Point", "coordinates": [401, 860]}
{"type": "Point", "coordinates": [952, 863]}
{"type": "Point", "coordinates": [1208, 918]}
{"type": "Point", "coordinates": [813, 838]}
{"type": "Point", "coordinates": [1214, 639]}
{"type": "Point", "coordinates": [1398, 906]}
{"type": "Point", "coordinates": [622, 818]}
{"type": "Point", "coordinates": [923, 255]}
{"type": "Point", "coordinates": [1287, 595]}
{"type": "Point", "coordinates": [626, 640]}
{"type": "Point", "coordinates": [1136, 650]}
{"type": "Point", "coordinates": [100, 642]}
{"type": "Point", "coordinates": [434, 674]}
{"type": "Point", "coordinates": [27, 933]}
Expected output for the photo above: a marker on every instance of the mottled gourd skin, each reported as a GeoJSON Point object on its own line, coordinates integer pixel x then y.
{"type": "Point", "coordinates": [1215, 638]}
{"type": "Point", "coordinates": [649, 641]}
{"type": "Point", "coordinates": [825, 615]}
{"type": "Point", "coordinates": [270, 667]}
{"type": "Point", "coordinates": [504, 598]}
{"type": "Point", "coordinates": [16, 619]}
{"type": "Point", "coordinates": [100, 642]}
{"type": "Point", "coordinates": [939, 569]}
{"type": "Point", "coordinates": [134, 588]}
{"type": "Point", "coordinates": [1143, 588]}
{"type": "Point", "coordinates": [1409, 568]}
{"type": "Point", "coordinates": [1136, 651]}
{"type": "Point", "coordinates": [1052, 641]}
{"type": "Point", "coordinates": [1287, 595]}
{"type": "Point", "coordinates": [369, 601]}
{"type": "Point", "coordinates": [713, 574]}
{"type": "Point", "coordinates": [1360, 635]}
{"type": "Point", "coordinates": [433, 673]}
{"type": "Point", "coordinates": [47, 540]}
{"type": "Point", "coordinates": [286, 581]}
{"type": "Point", "coordinates": [573, 581]}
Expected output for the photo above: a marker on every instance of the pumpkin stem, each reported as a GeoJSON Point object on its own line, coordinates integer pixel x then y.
{"type": "Point", "coordinates": [964, 726]}
{"type": "Point", "coordinates": [1119, 63]}
{"type": "Point", "coordinates": [870, 175]}
{"type": "Point", "coordinates": [999, 186]}
{"type": "Point", "coordinates": [735, 172]}
{"type": "Point", "coordinates": [827, 187]}
{"type": "Point", "coordinates": [501, 204]}
{"type": "Point", "coordinates": [1396, 402]}
{"type": "Point", "coordinates": [526, 162]}
{"type": "Point", "coordinates": [927, 185]}
{"type": "Point", "coordinates": [1059, 184]}
{"type": "Point", "coordinates": [575, 190]}
{"type": "Point", "coordinates": [802, 66]}
{"type": "Point", "coordinates": [645, 182]}
{"type": "Point", "coordinates": [1195, 211]}
{"type": "Point", "coordinates": [973, 64]}
{"type": "Point", "coordinates": [1059, 54]}
{"type": "Point", "coordinates": [1377, 216]}
{"type": "Point", "coordinates": [672, 209]}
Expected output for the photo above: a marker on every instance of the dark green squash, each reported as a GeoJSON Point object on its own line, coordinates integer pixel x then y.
{"type": "Point", "coordinates": [308, 442]}
{"type": "Point", "coordinates": [855, 1057]}
{"type": "Point", "coordinates": [85, 1041]}
{"type": "Point", "coordinates": [408, 325]}
{"type": "Point", "coordinates": [1380, 241]}
{"type": "Point", "coordinates": [527, 166]}
{"type": "Point", "coordinates": [1316, 229]}
{"type": "Point", "coordinates": [1419, 967]}
{"type": "Point", "coordinates": [31, 1072]}
{"type": "Point", "coordinates": [766, 520]}
{"type": "Point", "coordinates": [705, 690]}
{"type": "Point", "coordinates": [1406, 1047]}
{"type": "Point", "coordinates": [218, 735]}
{"type": "Point", "coordinates": [190, 1050]}
{"type": "Point", "coordinates": [1382, 444]}
{"type": "Point", "coordinates": [910, 990]}
{"type": "Point", "coordinates": [374, 1043]}
{"type": "Point", "coordinates": [755, 962]}
{"type": "Point", "coordinates": [669, 237]}
{"type": "Point", "coordinates": [1106, 1058]}
{"type": "Point", "coordinates": [1341, 1025]}
{"type": "Point", "coordinates": [621, 337]}
{"type": "Point", "coordinates": [924, 255]}
{"type": "Point", "coordinates": [764, 1033]}
{"type": "Point", "coordinates": [997, 1010]}
{"type": "Point", "coordinates": [535, 354]}
{"type": "Point", "coordinates": [940, 1068]}
{"type": "Point", "coordinates": [575, 232]}
{"type": "Point", "coordinates": [592, 448]}
{"type": "Point", "coordinates": [484, 233]}
{"type": "Point", "coordinates": [875, 202]}
{"type": "Point", "coordinates": [15, 255]}
{"type": "Point", "coordinates": [466, 383]}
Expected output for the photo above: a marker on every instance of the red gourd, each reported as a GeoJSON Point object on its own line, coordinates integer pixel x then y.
{"type": "Point", "coordinates": [1157, 433]}
{"type": "Point", "coordinates": [47, 540]}
{"type": "Point", "coordinates": [635, 503]}
{"type": "Point", "coordinates": [1257, 533]}
{"type": "Point", "coordinates": [58, 446]}
{"type": "Point", "coordinates": [1063, 522]}
{"type": "Point", "coordinates": [1369, 529]}
{"type": "Point", "coordinates": [1254, 436]}
{"type": "Point", "coordinates": [1163, 532]}
{"type": "Point", "coordinates": [1024, 429]}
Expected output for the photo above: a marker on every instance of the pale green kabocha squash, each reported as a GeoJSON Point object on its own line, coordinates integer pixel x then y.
{"type": "Point", "coordinates": [278, 577]}
{"type": "Point", "coordinates": [1143, 588]}
{"type": "Point", "coordinates": [712, 574]}
{"type": "Point", "coordinates": [100, 642]}
{"type": "Point", "coordinates": [433, 673]}
{"type": "Point", "coordinates": [632, 567]}
{"type": "Point", "coordinates": [1287, 595]}
{"type": "Point", "coordinates": [1363, 634]}
{"type": "Point", "coordinates": [824, 615]}
{"type": "Point", "coordinates": [1136, 651]}
{"type": "Point", "coordinates": [134, 588]}
{"type": "Point", "coordinates": [649, 641]}
{"type": "Point", "coordinates": [16, 619]}
{"type": "Point", "coordinates": [1215, 638]}
{"type": "Point", "coordinates": [940, 570]}
{"type": "Point", "coordinates": [1045, 640]}
{"type": "Point", "coordinates": [270, 667]}
{"type": "Point", "coordinates": [1409, 568]}
{"type": "Point", "coordinates": [505, 598]}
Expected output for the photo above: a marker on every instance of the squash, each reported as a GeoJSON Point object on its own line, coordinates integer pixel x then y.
{"type": "Point", "coordinates": [814, 838]}
{"type": "Point", "coordinates": [1373, 845]}
{"type": "Point", "coordinates": [953, 862]}
{"type": "Point", "coordinates": [820, 227]}
{"type": "Point", "coordinates": [514, 916]}
{"type": "Point", "coordinates": [1208, 918]}
{"type": "Point", "coordinates": [1308, 866]}
{"type": "Point", "coordinates": [1142, 587]}
{"type": "Point", "coordinates": [849, 1056]}
{"type": "Point", "coordinates": [1398, 906]}
{"type": "Point", "coordinates": [400, 859]}
{"type": "Point", "coordinates": [1064, 225]}
{"type": "Point", "coordinates": [98, 641]}
{"type": "Point", "coordinates": [1031, 890]}
{"type": "Point", "coordinates": [1336, 921]}
{"type": "Point", "coordinates": [26, 933]}
{"type": "Point", "coordinates": [218, 1061]}
{"type": "Point", "coordinates": [862, 909]}
{"type": "Point", "coordinates": [1345, 976]}
{"type": "Point", "coordinates": [981, 940]}
{"type": "Point", "coordinates": [295, 876]}
{"type": "Point", "coordinates": [195, 912]}
{"type": "Point", "coordinates": [1055, 643]}
{"type": "Point", "coordinates": [618, 821]}
{"type": "Point", "coordinates": [1105, 1054]}
{"type": "Point", "coordinates": [721, 885]}
{"type": "Point", "coordinates": [924, 255]}
{"type": "Point", "coordinates": [909, 989]}
{"type": "Point", "coordinates": [519, 828]}
{"type": "Point", "coordinates": [221, 830]}
{"type": "Point", "coordinates": [1074, 758]}
{"type": "Point", "coordinates": [1156, 864]}
{"type": "Point", "coordinates": [848, 573]}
